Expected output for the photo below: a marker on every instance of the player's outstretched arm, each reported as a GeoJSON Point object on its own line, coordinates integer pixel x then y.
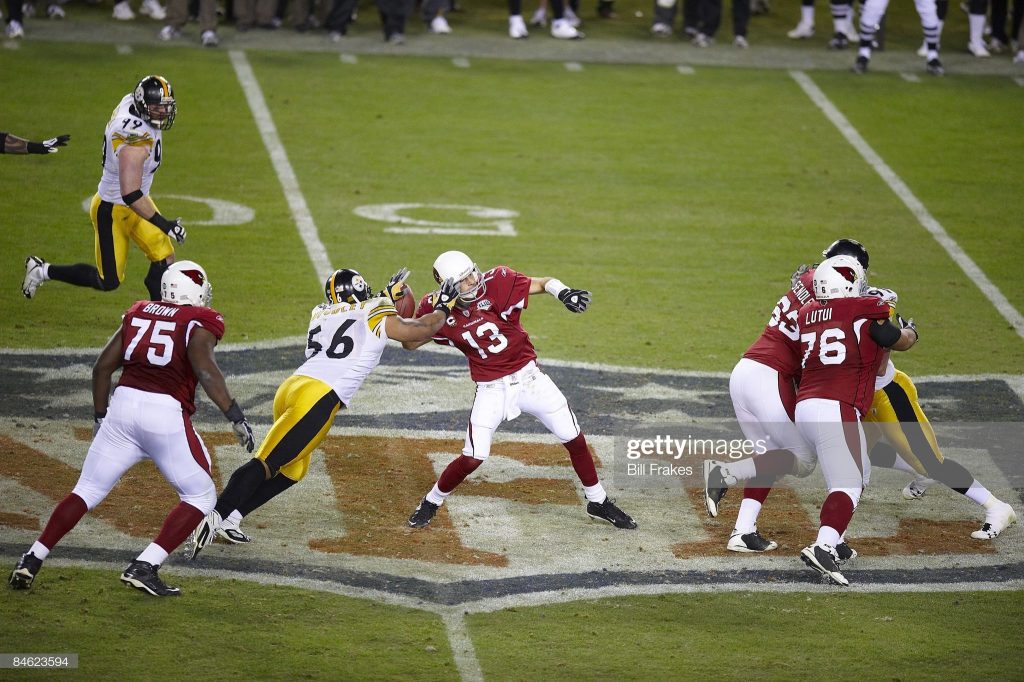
{"type": "Point", "coordinates": [444, 300]}
{"type": "Point", "coordinates": [130, 161]}
{"type": "Point", "coordinates": [201, 354]}
{"type": "Point", "coordinates": [102, 371]}
{"type": "Point", "coordinates": [575, 300]}
{"type": "Point", "coordinates": [12, 144]}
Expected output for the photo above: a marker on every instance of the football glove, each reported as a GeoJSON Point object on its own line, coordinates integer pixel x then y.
{"type": "Point", "coordinates": [97, 422]}
{"type": "Point", "coordinates": [908, 324]}
{"type": "Point", "coordinates": [576, 300]}
{"type": "Point", "coordinates": [176, 230]}
{"type": "Point", "coordinates": [240, 425]}
{"type": "Point", "coordinates": [795, 277]}
{"type": "Point", "coordinates": [887, 295]}
{"type": "Point", "coordinates": [393, 290]}
{"type": "Point", "coordinates": [48, 146]}
{"type": "Point", "coordinates": [445, 298]}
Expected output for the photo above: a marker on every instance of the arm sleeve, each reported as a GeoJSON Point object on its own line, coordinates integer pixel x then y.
{"type": "Point", "coordinates": [885, 333]}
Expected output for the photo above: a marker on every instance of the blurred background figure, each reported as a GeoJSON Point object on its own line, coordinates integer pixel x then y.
{"type": "Point", "coordinates": [150, 8]}
{"type": "Point", "coordinates": [15, 18]}
{"type": "Point", "coordinates": [564, 24]}
{"type": "Point", "coordinates": [250, 13]}
{"type": "Point", "coordinates": [433, 16]}
{"type": "Point", "coordinates": [177, 17]}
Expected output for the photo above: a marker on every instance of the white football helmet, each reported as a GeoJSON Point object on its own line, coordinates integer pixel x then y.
{"type": "Point", "coordinates": [185, 283]}
{"type": "Point", "coordinates": [459, 267]}
{"type": "Point", "coordinates": [838, 277]}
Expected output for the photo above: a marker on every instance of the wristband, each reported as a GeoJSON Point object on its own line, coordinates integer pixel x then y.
{"type": "Point", "coordinates": [163, 223]}
{"type": "Point", "coordinates": [96, 416]}
{"type": "Point", "coordinates": [132, 197]}
{"type": "Point", "coordinates": [37, 148]}
{"type": "Point", "coordinates": [554, 287]}
{"type": "Point", "coordinates": [234, 413]}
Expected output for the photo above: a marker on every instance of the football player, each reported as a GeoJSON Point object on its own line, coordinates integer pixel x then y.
{"type": "Point", "coordinates": [485, 326]}
{"type": "Point", "coordinates": [763, 391]}
{"type": "Point", "coordinates": [122, 208]}
{"type": "Point", "coordinates": [910, 443]}
{"type": "Point", "coordinates": [163, 350]}
{"type": "Point", "coordinates": [346, 338]}
{"type": "Point", "coordinates": [844, 335]}
{"type": "Point", "coordinates": [871, 15]}
{"type": "Point", "coordinates": [12, 144]}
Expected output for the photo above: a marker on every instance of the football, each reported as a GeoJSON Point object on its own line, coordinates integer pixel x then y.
{"type": "Point", "coordinates": [406, 303]}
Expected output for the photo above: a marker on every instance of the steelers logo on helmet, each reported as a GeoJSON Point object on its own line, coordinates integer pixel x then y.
{"type": "Point", "coordinates": [346, 286]}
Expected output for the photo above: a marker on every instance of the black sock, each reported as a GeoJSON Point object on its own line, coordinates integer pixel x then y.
{"type": "Point", "coordinates": [266, 492]}
{"type": "Point", "coordinates": [153, 277]}
{"type": "Point", "coordinates": [79, 274]}
{"type": "Point", "coordinates": [242, 484]}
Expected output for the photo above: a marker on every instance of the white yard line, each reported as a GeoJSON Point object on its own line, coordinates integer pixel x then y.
{"type": "Point", "coordinates": [279, 158]}
{"type": "Point", "coordinates": [462, 646]}
{"type": "Point", "coordinates": [900, 188]}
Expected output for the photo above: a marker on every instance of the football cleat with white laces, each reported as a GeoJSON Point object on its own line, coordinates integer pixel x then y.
{"type": "Point", "coordinates": [845, 552]}
{"type": "Point", "coordinates": [517, 27]}
{"type": "Point", "coordinates": [564, 30]}
{"type": "Point", "coordinates": [232, 534]}
{"type": "Point", "coordinates": [25, 572]}
{"type": "Point", "coordinates": [715, 486]}
{"type": "Point", "coordinates": [424, 513]}
{"type": "Point", "coordinates": [824, 560]}
{"type": "Point", "coordinates": [143, 577]}
{"type": "Point", "coordinates": [202, 536]}
{"type": "Point", "coordinates": [153, 10]}
{"type": "Point", "coordinates": [33, 274]}
{"type": "Point", "coordinates": [750, 542]}
{"type": "Point", "coordinates": [801, 31]}
{"type": "Point", "coordinates": [123, 11]}
{"type": "Point", "coordinates": [996, 521]}
{"type": "Point", "coordinates": [916, 489]}
{"type": "Point", "coordinates": [607, 511]}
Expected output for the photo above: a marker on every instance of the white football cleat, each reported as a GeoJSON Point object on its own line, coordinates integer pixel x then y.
{"type": "Point", "coordinates": [232, 533]}
{"type": "Point", "coordinates": [169, 33]}
{"type": "Point", "coordinates": [202, 536]}
{"type": "Point", "coordinates": [539, 18]}
{"type": "Point", "coordinates": [517, 27]}
{"type": "Point", "coordinates": [123, 11]}
{"type": "Point", "coordinates": [996, 521]}
{"type": "Point", "coordinates": [916, 489]}
{"type": "Point", "coordinates": [1019, 57]}
{"type": "Point", "coordinates": [740, 42]}
{"type": "Point", "coordinates": [571, 17]}
{"type": "Point", "coordinates": [153, 10]}
{"type": "Point", "coordinates": [978, 49]}
{"type": "Point", "coordinates": [801, 31]}
{"type": "Point", "coordinates": [440, 25]}
{"type": "Point", "coordinates": [33, 264]}
{"type": "Point", "coordinates": [563, 30]}
{"type": "Point", "coordinates": [661, 30]}
{"type": "Point", "coordinates": [210, 39]}
{"type": "Point", "coordinates": [15, 30]}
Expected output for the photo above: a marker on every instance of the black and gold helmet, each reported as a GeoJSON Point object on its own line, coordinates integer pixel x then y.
{"type": "Point", "coordinates": [154, 102]}
{"type": "Point", "coordinates": [346, 286]}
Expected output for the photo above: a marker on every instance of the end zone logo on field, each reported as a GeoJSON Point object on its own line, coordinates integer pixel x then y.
{"type": "Point", "coordinates": [522, 513]}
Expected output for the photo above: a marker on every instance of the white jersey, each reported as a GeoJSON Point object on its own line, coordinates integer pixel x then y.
{"type": "Point", "coordinates": [345, 342]}
{"type": "Point", "coordinates": [126, 128]}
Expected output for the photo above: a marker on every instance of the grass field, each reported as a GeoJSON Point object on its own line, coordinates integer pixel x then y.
{"type": "Point", "coordinates": [682, 201]}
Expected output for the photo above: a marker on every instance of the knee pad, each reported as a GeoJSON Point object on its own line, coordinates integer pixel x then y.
{"type": "Point", "coordinates": [203, 501]}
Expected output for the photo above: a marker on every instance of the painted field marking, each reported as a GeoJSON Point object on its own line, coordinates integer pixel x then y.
{"type": "Point", "coordinates": [485, 220]}
{"type": "Point", "coordinates": [685, 70]}
{"type": "Point", "coordinates": [348, 58]}
{"type": "Point", "coordinates": [12, 44]}
{"type": "Point", "coordinates": [574, 67]}
{"type": "Point", "coordinates": [124, 49]}
{"type": "Point", "coordinates": [462, 646]}
{"type": "Point", "coordinates": [910, 77]}
{"type": "Point", "coordinates": [1019, 81]}
{"type": "Point", "coordinates": [460, 63]}
{"type": "Point", "coordinates": [900, 188]}
{"type": "Point", "coordinates": [279, 158]}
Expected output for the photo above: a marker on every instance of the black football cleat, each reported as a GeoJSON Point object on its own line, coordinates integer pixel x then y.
{"type": "Point", "coordinates": [839, 41]}
{"type": "Point", "coordinates": [607, 511]}
{"type": "Point", "coordinates": [845, 552]}
{"type": "Point", "coordinates": [861, 65]}
{"type": "Point", "coordinates": [425, 511]}
{"type": "Point", "coordinates": [143, 577]}
{"type": "Point", "coordinates": [750, 542]}
{"type": "Point", "coordinates": [935, 68]}
{"type": "Point", "coordinates": [715, 487]}
{"type": "Point", "coordinates": [824, 560]}
{"type": "Point", "coordinates": [25, 572]}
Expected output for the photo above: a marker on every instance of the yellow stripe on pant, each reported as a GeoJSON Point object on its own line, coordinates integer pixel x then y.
{"type": "Point", "coordinates": [897, 414]}
{"type": "Point", "coordinates": [304, 410]}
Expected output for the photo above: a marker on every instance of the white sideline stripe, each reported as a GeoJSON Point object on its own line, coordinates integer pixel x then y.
{"type": "Point", "coordinates": [462, 646]}
{"type": "Point", "coordinates": [279, 158]}
{"type": "Point", "coordinates": [896, 184]}
{"type": "Point", "coordinates": [910, 77]}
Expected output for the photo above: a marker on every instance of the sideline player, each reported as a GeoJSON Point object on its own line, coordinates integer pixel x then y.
{"type": "Point", "coordinates": [910, 444]}
{"type": "Point", "coordinates": [163, 349]}
{"type": "Point", "coordinates": [346, 338]}
{"type": "Point", "coordinates": [122, 210]}
{"type": "Point", "coordinates": [763, 391]}
{"type": "Point", "coordinates": [12, 144]}
{"type": "Point", "coordinates": [485, 327]}
{"type": "Point", "coordinates": [844, 336]}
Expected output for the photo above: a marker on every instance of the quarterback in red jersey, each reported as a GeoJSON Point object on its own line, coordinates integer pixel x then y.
{"type": "Point", "coordinates": [163, 349]}
{"type": "Point", "coordinates": [844, 336]}
{"type": "Point", "coordinates": [485, 326]}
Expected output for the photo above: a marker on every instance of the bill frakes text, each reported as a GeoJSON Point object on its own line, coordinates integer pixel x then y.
{"type": "Point", "coordinates": [676, 448]}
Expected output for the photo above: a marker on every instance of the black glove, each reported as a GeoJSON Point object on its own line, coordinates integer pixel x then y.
{"type": "Point", "coordinates": [176, 231]}
{"type": "Point", "coordinates": [97, 422]}
{"type": "Point", "coordinates": [241, 427]}
{"type": "Point", "coordinates": [48, 146]}
{"type": "Point", "coordinates": [393, 290]}
{"type": "Point", "coordinates": [576, 300]}
{"type": "Point", "coordinates": [446, 297]}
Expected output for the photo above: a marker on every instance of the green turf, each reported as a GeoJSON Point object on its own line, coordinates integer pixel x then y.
{"type": "Point", "coordinates": [682, 202]}
{"type": "Point", "coordinates": [743, 636]}
{"type": "Point", "coordinates": [219, 630]}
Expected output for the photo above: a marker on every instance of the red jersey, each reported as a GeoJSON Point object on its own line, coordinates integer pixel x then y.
{"type": "Point", "coordinates": [840, 358]}
{"type": "Point", "coordinates": [778, 346]}
{"type": "Point", "coordinates": [488, 331]}
{"type": "Point", "coordinates": [154, 336]}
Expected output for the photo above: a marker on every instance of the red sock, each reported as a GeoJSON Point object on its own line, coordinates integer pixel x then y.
{"type": "Point", "coordinates": [179, 523]}
{"type": "Point", "coordinates": [65, 516]}
{"type": "Point", "coordinates": [456, 472]}
{"type": "Point", "coordinates": [582, 460]}
{"type": "Point", "coordinates": [837, 511]}
{"type": "Point", "coordinates": [758, 494]}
